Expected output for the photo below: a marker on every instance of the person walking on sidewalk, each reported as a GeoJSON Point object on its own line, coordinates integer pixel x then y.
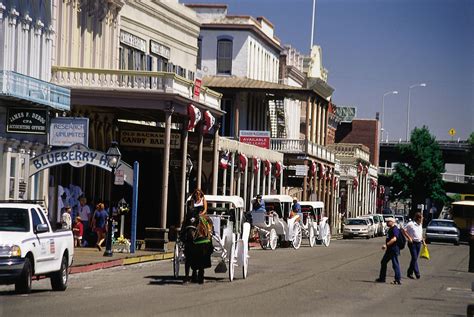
{"type": "Point", "coordinates": [66, 218]}
{"type": "Point", "coordinates": [391, 253]}
{"type": "Point", "coordinates": [99, 224]}
{"type": "Point", "coordinates": [414, 234]}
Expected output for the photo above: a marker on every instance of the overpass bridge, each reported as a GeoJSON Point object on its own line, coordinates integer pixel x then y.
{"type": "Point", "coordinates": [455, 152]}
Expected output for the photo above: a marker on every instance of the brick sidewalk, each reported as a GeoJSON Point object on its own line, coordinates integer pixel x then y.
{"type": "Point", "coordinates": [91, 259]}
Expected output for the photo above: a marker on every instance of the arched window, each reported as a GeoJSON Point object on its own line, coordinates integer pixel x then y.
{"type": "Point", "coordinates": [224, 56]}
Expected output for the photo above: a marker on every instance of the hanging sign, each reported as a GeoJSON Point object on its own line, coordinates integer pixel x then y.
{"type": "Point", "coordinates": [69, 131]}
{"type": "Point", "coordinates": [31, 121]}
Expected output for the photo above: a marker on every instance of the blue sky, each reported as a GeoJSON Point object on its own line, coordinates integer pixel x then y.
{"type": "Point", "coordinates": [374, 46]}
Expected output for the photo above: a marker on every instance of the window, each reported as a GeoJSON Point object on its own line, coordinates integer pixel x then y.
{"type": "Point", "coordinates": [199, 55]}
{"type": "Point", "coordinates": [35, 218]}
{"type": "Point", "coordinates": [224, 57]}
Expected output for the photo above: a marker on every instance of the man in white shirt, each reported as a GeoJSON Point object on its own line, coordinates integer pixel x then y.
{"type": "Point", "coordinates": [84, 212]}
{"type": "Point", "coordinates": [414, 234]}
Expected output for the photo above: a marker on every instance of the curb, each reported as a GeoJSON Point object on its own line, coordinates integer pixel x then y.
{"type": "Point", "coordinates": [120, 262]}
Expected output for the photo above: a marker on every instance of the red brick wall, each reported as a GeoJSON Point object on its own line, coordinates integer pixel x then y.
{"type": "Point", "coordinates": [364, 131]}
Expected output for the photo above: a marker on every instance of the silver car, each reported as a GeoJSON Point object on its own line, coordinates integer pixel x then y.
{"type": "Point", "coordinates": [442, 230]}
{"type": "Point", "coordinates": [357, 227]}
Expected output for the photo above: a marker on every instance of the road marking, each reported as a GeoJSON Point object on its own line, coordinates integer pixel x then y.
{"type": "Point", "coordinates": [88, 287]}
{"type": "Point", "coordinates": [457, 289]}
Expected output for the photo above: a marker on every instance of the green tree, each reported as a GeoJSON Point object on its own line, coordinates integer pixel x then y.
{"type": "Point", "coordinates": [419, 175]}
{"type": "Point", "coordinates": [470, 168]}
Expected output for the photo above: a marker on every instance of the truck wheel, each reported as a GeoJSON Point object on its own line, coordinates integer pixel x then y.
{"type": "Point", "coordinates": [23, 284]}
{"type": "Point", "coordinates": [59, 279]}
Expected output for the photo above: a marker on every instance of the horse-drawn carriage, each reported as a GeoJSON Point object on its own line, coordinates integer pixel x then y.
{"type": "Point", "coordinates": [315, 226]}
{"type": "Point", "coordinates": [274, 223]}
{"type": "Point", "coordinates": [229, 239]}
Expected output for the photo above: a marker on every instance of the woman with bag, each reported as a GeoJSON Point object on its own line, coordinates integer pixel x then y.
{"type": "Point", "coordinates": [414, 234]}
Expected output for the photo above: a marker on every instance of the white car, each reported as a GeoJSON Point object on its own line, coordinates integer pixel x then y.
{"type": "Point", "coordinates": [372, 224]}
{"type": "Point", "coordinates": [357, 227]}
{"type": "Point", "coordinates": [378, 223]}
{"type": "Point", "coordinates": [29, 247]}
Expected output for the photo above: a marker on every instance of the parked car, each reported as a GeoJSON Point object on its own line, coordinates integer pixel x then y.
{"type": "Point", "coordinates": [29, 247]}
{"type": "Point", "coordinates": [357, 227]}
{"type": "Point", "coordinates": [442, 230]}
{"type": "Point", "coordinates": [382, 224]}
{"type": "Point", "coordinates": [401, 221]}
{"type": "Point", "coordinates": [373, 222]}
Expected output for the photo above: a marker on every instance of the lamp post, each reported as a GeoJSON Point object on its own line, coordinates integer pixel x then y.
{"type": "Point", "coordinates": [383, 109]}
{"type": "Point", "coordinates": [113, 158]}
{"type": "Point", "coordinates": [189, 168]}
{"type": "Point", "coordinates": [408, 108]}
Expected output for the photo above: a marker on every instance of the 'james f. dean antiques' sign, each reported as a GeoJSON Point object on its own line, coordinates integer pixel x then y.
{"type": "Point", "coordinates": [32, 121]}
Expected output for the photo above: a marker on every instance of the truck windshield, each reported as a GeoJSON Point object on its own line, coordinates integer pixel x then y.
{"type": "Point", "coordinates": [14, 219]}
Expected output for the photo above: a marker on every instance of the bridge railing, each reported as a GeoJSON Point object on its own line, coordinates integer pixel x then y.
{"type": "Point", "coordinates": [447, 177]}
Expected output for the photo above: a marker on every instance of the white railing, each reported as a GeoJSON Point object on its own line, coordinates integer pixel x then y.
{"type": "Point", "coordinates": [129, 79]}
{"type": "Point", "coordinates": [456, 178]}
{"type": "Point", "coordinates": [353, 151]}
{"type": "Point", "coordinates": [303, 147]}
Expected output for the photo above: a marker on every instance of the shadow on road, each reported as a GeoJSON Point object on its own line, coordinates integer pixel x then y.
{"type": "Point", "coordinates": [33, 291]}
{"type": "Point", "coordinates": [171, 280]}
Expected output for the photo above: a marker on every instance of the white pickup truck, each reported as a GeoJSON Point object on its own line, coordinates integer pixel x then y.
{"type": "Point", "coordinates": [30, 247]}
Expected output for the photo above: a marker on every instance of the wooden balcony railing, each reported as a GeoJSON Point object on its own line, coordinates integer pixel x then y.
{"type": "Point", "coordinates": [130, 79]}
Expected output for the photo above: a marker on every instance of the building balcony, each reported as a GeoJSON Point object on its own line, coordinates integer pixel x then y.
{"type": "Point", "coordinates": [19, 86]}
{"type": "Point", "coordinates": [348, 152]}
{"type": "Point", "coordinates": [305, 147]}
{"type": "Point", "coordinates": [163, 82]}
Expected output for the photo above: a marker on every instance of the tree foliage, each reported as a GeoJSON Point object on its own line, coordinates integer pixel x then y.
{"type": "Point", "coordinates": [419, 175]}
{"type": "Point", "coordinates": [471, 156]}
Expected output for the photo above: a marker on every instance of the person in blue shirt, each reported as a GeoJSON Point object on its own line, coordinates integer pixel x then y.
{"type": "Point", "coordinates": [296, 209]}
{"type": "Point", "coordinates": [392, 252]}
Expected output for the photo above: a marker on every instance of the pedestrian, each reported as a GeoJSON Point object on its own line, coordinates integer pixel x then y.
{"type": "Point", "coordinates": [391, 253]}
{"type": "Point", "coordinates": [78, 231]}
{"type": "Point", "coordinates": [84, 212]}
{"type": "Point", "coordinates": [414, 234]}
{"type": "Point", "coordinates": [200, 201]}
{"type": "Point", "coordinates": [66, 218]}
{"type": "Point", "coordinates": [99, 224]}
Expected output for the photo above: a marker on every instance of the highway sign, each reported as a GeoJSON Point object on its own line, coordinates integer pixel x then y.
{"type": "Point", "coordinates": [452, 132]}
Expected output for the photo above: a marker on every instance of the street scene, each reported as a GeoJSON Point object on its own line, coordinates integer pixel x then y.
{"type": "Point", "coordinates": [201, 157]}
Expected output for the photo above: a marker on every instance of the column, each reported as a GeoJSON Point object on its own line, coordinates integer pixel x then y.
{"type": "Point", "coordinates": [200, 148]}
{"type": "Point", "coordinates": [281, 181]}
{"type": "Point", "coordinates": [264, 178]}
{"type": "Point", "coordinates": [252, 185]}
{"type": "Point", "coordinates": [305, 183]}
{"type": "Point", "coordinates": [246, 184]}
{"type": "Point", "coordinates": [224, 182]}
{"type": "Point", "coordinates": [232, 174]}
{"type": "Point", "coordinates": [308, 112]}
{"type": "Point", "coordinates": [184, 177]}
{"type": "Point", "coordinates": [318, 128]}
{"type": "Point", "coordinates": [270, 180]}
{"type": "Point", "coordinates": [215, 161]}
{"type": "Point", "coordinates": [258, 183]}
{"type": "Point", "coordinates": [314, 120]}
{"type": "Point", "coordinates": [166, 167]}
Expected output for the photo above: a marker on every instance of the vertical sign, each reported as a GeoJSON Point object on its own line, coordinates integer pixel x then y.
{"type": "Point", "coordinates": [197, 85]}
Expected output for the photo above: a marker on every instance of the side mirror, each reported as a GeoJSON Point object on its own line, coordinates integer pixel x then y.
{"type": "Point", "coordinates": [41, 228]}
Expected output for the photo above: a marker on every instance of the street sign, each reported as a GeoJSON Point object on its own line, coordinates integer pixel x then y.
{"type": "Point", "coordinates": [119, 177]}
{"type": "Point", "coordinates": [301, 170]}
{"type": "Point", "coordinates": [452, 132]}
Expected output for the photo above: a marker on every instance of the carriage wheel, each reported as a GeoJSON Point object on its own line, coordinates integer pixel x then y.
{"type": "Point", "coordinates": [327, 236]}
{"type": "Point", "coordinates": [297, 236]}
{"type": "Point", "coordinates": [176, 260]}
{"type": "Point", "coordinates": [311, 236]}
{"type": "Point", "coordinates": [231, 256]}
{"type": "Point", "coordinates": [264, 241]}
{"type": "Point", "coordinates": [273, 239]}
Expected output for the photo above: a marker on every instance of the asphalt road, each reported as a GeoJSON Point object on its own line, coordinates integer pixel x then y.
{"type": "Point", "coordinates": [336, 281]}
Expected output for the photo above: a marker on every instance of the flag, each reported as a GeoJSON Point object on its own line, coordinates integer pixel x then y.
{"type": "Point", "coordinates": [355, 183]}
{"type": "Point", "coordinates": [224, 161]}
{"type": "Point", "coordinates": [209, 122]}
{"type": "Point", "coordinates": [321, 170]}
{"type": "Point", "coordinates": [313, 168]}
{"type": "Point", "coordinates": [256, 164]}
{"type": "Point", "coordinates": [194, 115]}
{"type": "Point", "coordinates": [268, 167]}
{"type": "Point", "coordinates": [359, 168]}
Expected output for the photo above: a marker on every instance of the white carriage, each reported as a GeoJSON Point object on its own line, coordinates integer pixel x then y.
{"type": "Point", "coordinates": [315, 226]}
{"type": "Point", "coordinates": [230, 238]}
{"type": "Point", "coordinates": [274, 223]}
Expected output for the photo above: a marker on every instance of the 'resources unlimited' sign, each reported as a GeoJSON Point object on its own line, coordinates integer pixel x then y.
{"type": "Point", "coordinates": [258, 138]}
{"type": "Point", "coordinates": [69, 131]}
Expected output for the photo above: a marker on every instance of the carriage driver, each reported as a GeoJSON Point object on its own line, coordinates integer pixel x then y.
{"type": "Point", "coordinates": [296, 210]}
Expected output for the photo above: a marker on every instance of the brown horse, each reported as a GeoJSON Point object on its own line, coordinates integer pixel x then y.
{"type": "Point", "coordinates": [197, 238]}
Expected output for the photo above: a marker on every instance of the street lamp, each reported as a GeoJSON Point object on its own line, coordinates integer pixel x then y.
{"type": "Point", "coordinates": [383, 108]}
{"type": "Point", "coordinates": [113, 158]}
{"type": "Point", "coordinates": [408, 108]}
{"type": "Point", "coordinates": [189, 168]}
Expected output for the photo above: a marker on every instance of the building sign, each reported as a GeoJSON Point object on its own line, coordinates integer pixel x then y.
{"type": "Point", "coordinates": [133, 41]}
{"type": "Point", "coordinates": [148, 139]}
{"type": "Point", "coordinates": [345, 114]}
{"type": "Point", "coordinates": [119, 178]}
{"type": "Point", "coordinates": [258, 138]}
{"type": "Point", "coordinates": [69, 131]}
{"type": "Point", "coordinates": [197, 85]}
{"type": "Point", "coordinates": [30, 121]}
{"type": "Point", "coordinates": [301, 170]}
{"type": "Point", "coordinates": [160, 49]}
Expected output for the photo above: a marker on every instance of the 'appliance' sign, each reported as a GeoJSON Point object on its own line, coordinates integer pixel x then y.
{"type": "Point", "coordinates": [69, 131]}
{"type": "Point", "coordinates": [31, 121]}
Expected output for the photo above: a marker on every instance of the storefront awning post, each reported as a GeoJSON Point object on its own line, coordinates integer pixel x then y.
{"type": "Point", "coordinates": [133, 238]}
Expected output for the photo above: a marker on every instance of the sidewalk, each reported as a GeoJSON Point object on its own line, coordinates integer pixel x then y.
{"type": "Point", "coordinates": [91, 259]}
